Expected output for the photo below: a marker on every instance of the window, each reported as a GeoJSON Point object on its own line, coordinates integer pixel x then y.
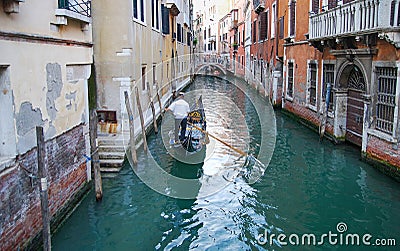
{"type": "Point", "coordinates": [254, 31]}
{"type": "Point", "coordinates": [165, 19]}
{"type": "Point", "coordinates": [290, 77]}
{"type": "Point", "coordinates": [155, 22]}
{"type": "Point", "coordinates": [332, 4]}
{"type": "Point", "coordinates": [281, 27]}
{"type": "Point", "coordinates": [386, 98]}
{"type": "Point", "coordinates": [312, 82]}
{"type": "Point", "coordinates": [135, 9]}
{"type": "Point", "coordinates": [179, 34]}
{"type": "Point", "coordinates": [315, 6]}
{"type": "Point", "coordinates": [266, 24]}
{"type": "Point", "coordinates": [154, 74]}
{"type": "Point", "coordinates": [263, 25]}
{"type": "Point", "coordinates": [138, 10]}
{"type": "Point", "coordinates": [292, 21]}
{"type": "Point", "coordinates": [328, 79]}
{"type": "Point", "coordinates": [143, 78]}
{"type": "Point", "coordinates": [273, 15]}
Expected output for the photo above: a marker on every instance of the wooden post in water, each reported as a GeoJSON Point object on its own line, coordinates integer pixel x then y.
{"type": "Point", "coordinates": [159, 102]}
{"type": "Point", "coordinates": [153, 110]}
{"type": "Point", "coordinates": [44, 199]}
{"type": "Point", "coordinates": [141, 119]}
{"type": "Point", "coordinates": [131, 128]}
{"type": "Point", "coordinates": [94, 155]}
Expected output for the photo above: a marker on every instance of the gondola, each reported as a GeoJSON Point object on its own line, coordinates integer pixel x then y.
{"type": "Point", "coordinates": [194, 140]}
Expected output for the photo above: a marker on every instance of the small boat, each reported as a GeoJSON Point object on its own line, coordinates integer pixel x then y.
{"type": "Point", "coordinates": [194, 140]}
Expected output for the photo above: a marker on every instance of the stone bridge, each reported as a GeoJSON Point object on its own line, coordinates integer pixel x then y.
{"type": "Point", "coordinates": [212, 68]}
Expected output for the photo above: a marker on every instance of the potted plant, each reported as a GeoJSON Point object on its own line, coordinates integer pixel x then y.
{"type": "Point", "coordinates": [235, 46]}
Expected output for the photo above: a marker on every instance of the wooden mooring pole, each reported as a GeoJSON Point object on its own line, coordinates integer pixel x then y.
{"type": "Point", "coordinates": [159, 101]}
{"type": "Point", "coordinates": [44, 199]}
{"type": "Point", "coordinates": [141, 119]}
{"type": "Point", "coordinates": [95, 156]}
{"type": "Point", "coordinates": [153, 110]}
{"type": "Point", "coordinates": [131, 128]}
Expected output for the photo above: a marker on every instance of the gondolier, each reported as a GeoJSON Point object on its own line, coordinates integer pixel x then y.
{"type": "Point", "coordinates": [180, 108]}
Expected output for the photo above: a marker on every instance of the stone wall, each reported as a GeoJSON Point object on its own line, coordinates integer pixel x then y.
{"type": "Point", "coordinates": [20, 210]}
{"type": "Point", "coordinates": [384, 155]}
{"type": "Point", "coordinates": [309, 117]}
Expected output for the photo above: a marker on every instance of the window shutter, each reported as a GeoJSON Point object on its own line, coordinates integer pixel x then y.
{"type": "Point", "coordinates": [165, 19]}
{"type": "Point", "coordinates": [281, 27]}
{"type": "Point", "coordinates": [135, 9]}
{"type": "Point", "coordinates": [263, 27]}
{"type": "Point", "coordinates": [392, 7]}
{"type": "Point", "coordinates": [254, 31]}
{"type": "Point", "coordinates": [331, 4]}
{"type": "Point", "coordinates": [315, 5]}
{"type": "Point", "coordinates": [157, 16]}
{"type": "Point", "coordinates": [266, 24]}
{"type": "Point", "coordinates": [179, 33]}
{"type": "Point", "coordinates": [292, 18]}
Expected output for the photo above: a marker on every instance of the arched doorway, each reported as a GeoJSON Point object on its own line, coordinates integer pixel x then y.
{"type": "Point", "coordinates": [353, 80]}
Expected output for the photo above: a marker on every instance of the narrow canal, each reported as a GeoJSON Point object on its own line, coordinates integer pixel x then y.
{"type": "Point", "coordinates": [309, 188]}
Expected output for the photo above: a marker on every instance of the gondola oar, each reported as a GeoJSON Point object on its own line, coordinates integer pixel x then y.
{"type": "Point", "coordinates": [250, 159]}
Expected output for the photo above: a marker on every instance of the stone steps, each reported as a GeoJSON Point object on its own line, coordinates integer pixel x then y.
{"type": "Point", "coordinates": [111, 154]}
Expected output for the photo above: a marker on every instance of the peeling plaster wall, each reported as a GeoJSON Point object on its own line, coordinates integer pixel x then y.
{"type": "Point", "coordinates": [48, 86]}
{"type": "Point", "coordinates": [7, 130]}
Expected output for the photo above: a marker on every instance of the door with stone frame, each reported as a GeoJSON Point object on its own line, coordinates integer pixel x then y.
{"type": "Point", "coordinates": [355, 104]}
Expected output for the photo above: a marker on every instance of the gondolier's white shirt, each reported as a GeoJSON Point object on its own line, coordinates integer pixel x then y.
{"type": "Point", "coordinates": [180, 108]}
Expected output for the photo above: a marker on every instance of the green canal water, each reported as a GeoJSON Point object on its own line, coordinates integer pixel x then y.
{"type": "Point", "coordinates": [310, 188]}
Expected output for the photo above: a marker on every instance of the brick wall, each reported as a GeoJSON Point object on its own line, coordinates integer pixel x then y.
{"type": "Point", "coordinates": [20, 212]}
{"type": "Point", "coordinates": [309, 116]}
{"type": "Point", "coordinates": [384, 153]}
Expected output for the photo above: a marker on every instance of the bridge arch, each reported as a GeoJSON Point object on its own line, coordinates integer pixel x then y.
{"type": "Point", "coordinates": [204, 66]}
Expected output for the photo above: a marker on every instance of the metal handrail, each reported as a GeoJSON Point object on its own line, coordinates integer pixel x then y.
{"type": "Point", "coordinates": [82, 7]}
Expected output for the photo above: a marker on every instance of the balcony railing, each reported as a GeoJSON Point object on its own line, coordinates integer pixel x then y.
{"type": "Point", "coordinates": [82, 7]}
{"type": "Point", "coordinates": [355, 18]}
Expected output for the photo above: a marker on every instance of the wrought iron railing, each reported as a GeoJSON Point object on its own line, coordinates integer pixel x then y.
{"type": "Point", "coordinates": [82, 7]}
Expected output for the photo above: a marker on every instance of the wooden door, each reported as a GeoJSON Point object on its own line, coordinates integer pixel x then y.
{"type": "Point", "coordinates": [355, 107]}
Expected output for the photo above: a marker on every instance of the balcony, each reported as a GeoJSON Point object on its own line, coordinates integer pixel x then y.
{"type": "Point", "coordinates": [234, 24]}
{"type": "Point", "coordinates": [173, 7]}
{"type": "Point", "coordinates": [259, 5]}
{"type": "Point", "coordinates": [74, 9]}
{"type": "Point", "coordinates": [357, 18]}
{"type": "Point", "coordinates": [11, 6]}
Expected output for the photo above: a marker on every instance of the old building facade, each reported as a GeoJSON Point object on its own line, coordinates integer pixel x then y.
{"type": "Point", "coordinates": [45, 65]}
{"type": "Point", "coordinates": [359, 45]}
{"type": "Point", "coordinates": [146, 50]}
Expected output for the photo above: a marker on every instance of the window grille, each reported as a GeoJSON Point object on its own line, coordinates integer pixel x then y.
{"type": "Point", "coordinates": [386, 98]}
